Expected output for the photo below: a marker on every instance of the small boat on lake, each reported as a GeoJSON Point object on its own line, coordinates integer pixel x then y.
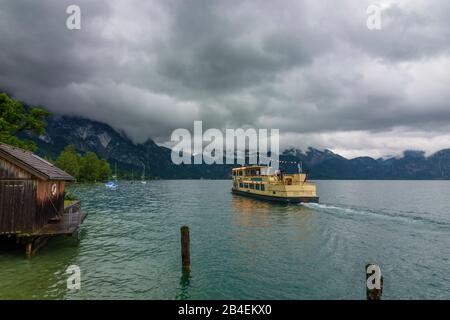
{"type": "Point", "coordinates": [255, 181]}
{"type": "Point", "coordinates": [143, 176]}
{"type": "Point", "coordinates": [111, 185]}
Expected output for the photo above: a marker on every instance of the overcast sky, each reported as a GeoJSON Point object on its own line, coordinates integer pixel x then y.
{"type": "Point", "coordinates": [309, 68]}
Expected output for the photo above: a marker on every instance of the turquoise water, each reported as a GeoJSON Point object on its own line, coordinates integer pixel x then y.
{"type": "Point", "coordinates": [245, 249]}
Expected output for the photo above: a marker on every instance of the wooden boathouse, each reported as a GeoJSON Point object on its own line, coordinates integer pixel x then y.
{"type": "Point", "coordinates": [32, 207]}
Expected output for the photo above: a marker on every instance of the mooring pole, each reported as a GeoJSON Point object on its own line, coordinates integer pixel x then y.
{"type": "Point", "coordinates": [29, 248]}
{"type": "Point", "coordinates": [185, 248]}
{"type": "Point", "coordinates": [374, 282]}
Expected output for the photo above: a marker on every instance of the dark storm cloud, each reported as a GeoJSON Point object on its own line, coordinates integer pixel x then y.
{"type": "Point", "coordinates": [216, 46]}
{"type": "Point", "coordinates": [36, 47]}
{"type": "Point", "coordinates": [310, 68]}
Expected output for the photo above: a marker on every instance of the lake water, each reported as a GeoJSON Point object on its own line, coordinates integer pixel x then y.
{"type": "Point", "coordinates": [243, 248]}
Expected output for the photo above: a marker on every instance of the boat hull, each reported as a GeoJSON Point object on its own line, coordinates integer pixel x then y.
{"type": "Point", "coordinates": [276, 199]}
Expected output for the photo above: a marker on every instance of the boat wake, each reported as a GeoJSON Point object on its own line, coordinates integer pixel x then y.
{"type": "Point", "coordinates": [348, 212]}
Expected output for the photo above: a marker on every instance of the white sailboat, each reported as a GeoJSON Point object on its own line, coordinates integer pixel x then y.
{"type": "Point", "coordinates": [143, 176]}
{"type": "Point", "coordinates": [113, 184]}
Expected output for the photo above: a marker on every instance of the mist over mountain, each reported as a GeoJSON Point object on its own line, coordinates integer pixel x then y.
{"type": "Point", "coordinates": [87, 135]}
{"type": "Point", "coordinates": [412, 165]}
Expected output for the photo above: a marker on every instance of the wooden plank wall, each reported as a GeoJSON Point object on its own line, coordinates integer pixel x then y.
{"type": "Point", "coordinates": [26, 203]}
{"type": "Point", "coordinates": [10, 171]}
{"type": "Point", "coordinates": [17, 206]}
{"type": "Point", "coordinates": [17, 199]}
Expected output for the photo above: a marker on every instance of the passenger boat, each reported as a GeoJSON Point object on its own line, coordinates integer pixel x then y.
{"type": "Point", "coordinates": [256, 182]}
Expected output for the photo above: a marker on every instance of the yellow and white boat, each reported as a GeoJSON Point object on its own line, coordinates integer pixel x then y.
{"type": "Point", "coordinates": [255, 181]}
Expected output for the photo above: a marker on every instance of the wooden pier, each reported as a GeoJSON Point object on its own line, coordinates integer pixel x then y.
{"type": "Point", "coordinates": [67, 225]}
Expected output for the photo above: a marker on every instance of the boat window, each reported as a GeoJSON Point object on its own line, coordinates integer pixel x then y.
{"type": "Point", "coordinates": [252, 186]}
{"type": "Point", "coordinates": [257, 187]}
{"type": "Point", "coordinates": [263, 187]}
{"type": "Point", "coordinates": [245, 185]}
{"type": "Point", "coordinates": [241, 185]}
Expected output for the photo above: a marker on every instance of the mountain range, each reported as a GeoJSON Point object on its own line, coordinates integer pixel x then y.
{"type": "Point", "coordinates": [87, 135]}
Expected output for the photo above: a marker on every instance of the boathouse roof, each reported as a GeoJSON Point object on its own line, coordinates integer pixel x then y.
{"type": "Point", "coordinates": [33, 164]}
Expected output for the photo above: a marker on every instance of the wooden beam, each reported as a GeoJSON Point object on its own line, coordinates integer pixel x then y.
{"type": "Point", "coordinates": [38, 244]}
{"type": "Point", "coordinates": [29, 248]}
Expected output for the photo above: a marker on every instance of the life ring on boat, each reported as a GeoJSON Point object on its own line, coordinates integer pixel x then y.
{"type": "Point", "coordinates": [54, 189]}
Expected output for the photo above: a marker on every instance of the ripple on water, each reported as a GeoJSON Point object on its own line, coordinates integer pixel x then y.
{"type": "Point", "coordinates": [241, 248]}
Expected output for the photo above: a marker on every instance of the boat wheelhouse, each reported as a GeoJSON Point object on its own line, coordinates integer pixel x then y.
{"type": "Point", "coordinates": [256, 181]}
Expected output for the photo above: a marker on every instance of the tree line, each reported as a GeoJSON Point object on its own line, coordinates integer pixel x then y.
{"type": "Point", "coordinates": [85, 168]}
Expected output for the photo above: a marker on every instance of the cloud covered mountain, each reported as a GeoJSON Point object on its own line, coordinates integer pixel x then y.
{"type": "Point", "coordinates": [87, 135]}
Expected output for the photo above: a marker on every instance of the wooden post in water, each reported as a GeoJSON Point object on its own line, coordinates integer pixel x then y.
{"type": "Point", "coordinates": [374, 282]}
{"type": "Point", "coordinates": [29, 248]}
{"type": "Point", "coordinates": [185, 248]}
